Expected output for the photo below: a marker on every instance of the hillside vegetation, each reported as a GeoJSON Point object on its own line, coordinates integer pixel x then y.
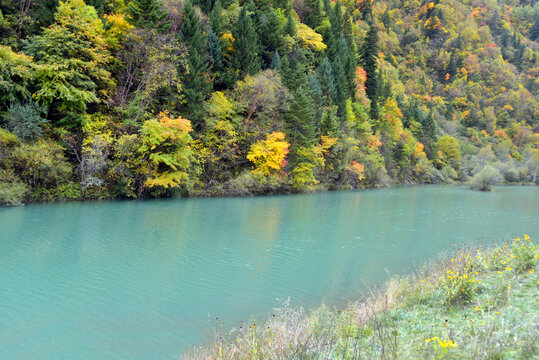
{"type": "Point", "coordinates": [137, 98]}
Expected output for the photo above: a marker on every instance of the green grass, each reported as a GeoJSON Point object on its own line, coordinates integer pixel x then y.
{"type": "Point", "coordinates": [478, 304]}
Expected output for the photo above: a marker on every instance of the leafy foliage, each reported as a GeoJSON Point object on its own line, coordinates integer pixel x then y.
{"type": "Point", "coordinates": [419, 92]}
{"type": "Point", "coordinates": [166, 144]}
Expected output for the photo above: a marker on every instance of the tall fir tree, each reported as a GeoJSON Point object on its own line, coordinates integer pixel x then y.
{"type": "Point", "coordinates": [300, 119]}
{"type": "Point", "coordinates": [271, 37]}
{"type": "Point", "coordinates": [337, 20]}
{"type": "Point", "coordinates": [429, 135]}
{"type": "Point", "coordinates": [369, 57]}
{"type": "Point", "coordinates": [216, 20]}
{"type": "Point", "coordinates": [290, 27]}
{"type": "Point", "coordinates": [247, 55]}
{"type": "Point", "coordinates": [196, 80]}
{"type": "Point", "coordinates": [534, 31]}
{"type": "Point", "coordinates": [324, 75]}
{"type": "Point", "coordinates": [315, 15]}
{"type": "Point", "coordinates": [148, 14]}
{"type": "Point", "coordinates": [340, 86]}
{"type": "Point", "coordinates": [348, 61]}
{"type": "Point", "coordinates": [275, 61]}
{"type": "Point", "coordinates": [329, 124]}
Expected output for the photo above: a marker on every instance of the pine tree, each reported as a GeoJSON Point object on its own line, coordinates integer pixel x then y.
{"type": "Point", "coordinates": [276, 61]}
{"type": "Point", "coordinates": [325, 78]}
{"type": "Point", "coordinates": [271, 37]}
{"type": "Point", "coordinates": [191, 34]}
{"type": "Point", "coordinates": [340, 86]}
{"type": "Point", "coordinates": [282, 4]}
{"type": "Point", "coordinates": [148, 14]}
{"type": "Point", "coordinates": [429, 134]}
{"type": "Point", "coordinates": [197, 83]}
{"type": "Point", "coordinates": [215, 51]}
{"type": "Point", "coordinates": [315, 16]}
{"type": "Point", "coordinates": [534, 31]}
{"type": "Point", "coordinates": [348, 29]}
{"type": "Point", "coordinates": [317, 94]}
{"type": "Point", "coordinates": [300, 119]}
{"type": "Point", "coordinates": [290, 27]}
{"type": "Point", "coordinates": [216, 20]}
{"type": "Point", "coordinates": [329, 125]}
{"type": "Point", "coordinates": [295, 76]}
{"type": "Point", "coordinates": [337, 20]}
{"type": "Point", "coordinates": [247, 58]}
{"type": "Point", "coordinates": [348, 61]}
{"type": "Point", "coordinates": [369, 55]}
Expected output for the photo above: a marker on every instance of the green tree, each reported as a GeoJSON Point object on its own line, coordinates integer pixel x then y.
{"type": "Point", "coordinates": [17, 73]}
{"type": "Point", "coordinates": [290, 26]}
{"type": "Point", "coordinates": [25, 120]}
{"type": "Point", "coordinates": [247, 56]}
{"type": "Point", "coordinates": [324, 75]}
{"type": "Point", "coordinates": [271, 37]}
{"type": "Point", "coordinates": [369, 57]}
{"type": "Point", "coordinates": [300, 119]}
{"type": "Point", "coordinates": [166, 151]}
{"type": "Point", "coordinates": [316, 15]}
{"type": "Point", "coordinates": [197, 81]}
{"type": "Point", "coordinates": [74, 58]}
{"type": "Point", "coordinates": [448, 152]}
{"type": "Point", "coordinates": [148, 14]}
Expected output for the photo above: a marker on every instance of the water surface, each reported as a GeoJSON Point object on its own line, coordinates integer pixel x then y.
{"type": "Point", "coordinates": [146, 279]}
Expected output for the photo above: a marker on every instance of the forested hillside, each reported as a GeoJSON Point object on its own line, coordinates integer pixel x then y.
{"type": "Point", "coordinates": [124, 99]}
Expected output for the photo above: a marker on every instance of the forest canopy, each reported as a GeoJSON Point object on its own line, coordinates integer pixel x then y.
{"type": "Point", "coordinates": [136, 98]}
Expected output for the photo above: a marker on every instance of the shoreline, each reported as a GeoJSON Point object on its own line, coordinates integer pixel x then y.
{"type": "Point", "coordinates": [467, 304]}
{"type": "Point", "coordinates": [205, 195]}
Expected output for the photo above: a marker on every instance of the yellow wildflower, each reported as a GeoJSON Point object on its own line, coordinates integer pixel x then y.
{"type": "Point", "coordinates": [532, 271]}
{"type": "Point", "coordinates": [447, 343]}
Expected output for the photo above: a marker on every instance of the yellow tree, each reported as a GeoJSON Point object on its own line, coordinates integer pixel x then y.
{"type": "Point", "coordinates": [166, 143]}
{"type": "Point", "coordinates": [269, 155]}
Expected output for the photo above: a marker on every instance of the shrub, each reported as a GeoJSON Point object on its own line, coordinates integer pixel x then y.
{"type": "Point", "coordinates": [511, 175]}
{"type": "Point", "coordinates": [68, 191]}
{"type": "Point", "coordinates": [41, 164]}
{"type": "Point", "coordinates": [449, 174]}
{"type": "Point", "coordinates": [458, 287]}
{"type": "Point", "coordinates": [12, 190]}
{"type": "Point", "coordinates": [523, 254]}
{"type": "Point", "coordinates": [485, 179]}
{"type": "Point", "coordinates": [25, 120]}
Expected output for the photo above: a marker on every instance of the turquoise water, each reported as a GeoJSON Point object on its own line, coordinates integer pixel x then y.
{"type": "Point", "coordinates": [146, 279]}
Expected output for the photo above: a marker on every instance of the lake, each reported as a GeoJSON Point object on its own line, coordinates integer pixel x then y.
{"type": "Point", "coordinates": [147, 279]}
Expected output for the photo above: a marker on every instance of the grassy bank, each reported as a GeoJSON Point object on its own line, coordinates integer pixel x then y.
{"type": "Point", "coordinates": [480, 303]}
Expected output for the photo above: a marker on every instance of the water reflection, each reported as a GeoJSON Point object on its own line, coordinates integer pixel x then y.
{"type": "Point", "coordinates": [145, 280]}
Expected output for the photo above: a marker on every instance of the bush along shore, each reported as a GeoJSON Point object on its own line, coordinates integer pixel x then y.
{"type": "Point", "coordinates": [480, 303]}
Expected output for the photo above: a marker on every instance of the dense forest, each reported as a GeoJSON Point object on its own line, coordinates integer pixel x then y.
{"type": "Point", "coordinates": [138, 98]}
